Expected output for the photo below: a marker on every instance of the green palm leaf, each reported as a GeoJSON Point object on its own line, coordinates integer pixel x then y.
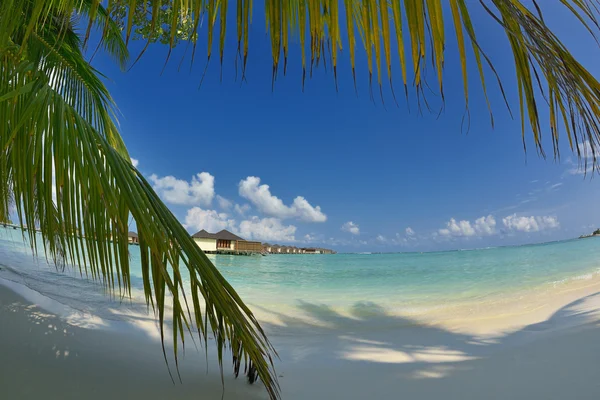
{"type": "Point", "coordinates": [548, 76]}
{"type": "Point", "coordinates": [59, 132]}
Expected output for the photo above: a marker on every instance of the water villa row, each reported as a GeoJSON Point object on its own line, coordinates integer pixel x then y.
{"type": "Point", "coordinates": [225, 242]}
{"type": "Point", "coordinates": [277, 249]}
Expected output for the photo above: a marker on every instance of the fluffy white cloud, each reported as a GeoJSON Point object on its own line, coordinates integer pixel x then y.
{"type": "Point", "coordinates": [483, 226]}
{"type": "Point", "coordinates": [242, 210]}
{"type": "Point", "coordinates": [351, 227]}
{"type": "Point", "coordinates": [223, 202]}
{"type": "Point", "coordinates": [260, 195]}
{"type": "Point", "coordinates": [254, 228]}
{"type": "Point", "coordinates": [531, 223]}
{"type": "Point", "coordinates": [267, 229]}
{"type": "Point", "coordinates": [197, 219]}
{"type": "Point", "coordinates": [460, 228]}
{"type": "Point", "coordinates": [306, 212]}
{"type": "Point", "coordinates": [409, 231]}
{"type": "Point", "coordinates": [381, 238]}
{"type": "Point", "coordinates": [135, 162]}
{"type": "Point", "coordinates": [200, 191]}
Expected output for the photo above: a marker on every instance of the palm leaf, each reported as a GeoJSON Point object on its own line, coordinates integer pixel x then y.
{"type": "Point", "coordinates": [59, 132]}
{"type": "Point", "coordinates": [543, 65]}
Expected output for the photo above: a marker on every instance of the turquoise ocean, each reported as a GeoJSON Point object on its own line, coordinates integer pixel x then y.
{"type": "Point", "coordinates": [399, 282]}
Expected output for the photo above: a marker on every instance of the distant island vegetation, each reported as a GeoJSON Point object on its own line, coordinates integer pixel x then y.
{"type": "Point", "coordinates": [595, 233]}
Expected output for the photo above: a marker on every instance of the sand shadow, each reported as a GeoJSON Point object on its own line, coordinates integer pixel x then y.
{"type": "Point", "coordinates": [370, 345]}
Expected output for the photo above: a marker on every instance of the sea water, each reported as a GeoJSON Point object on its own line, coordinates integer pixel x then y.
{"type": "Point", "coordinates": [402, 282]}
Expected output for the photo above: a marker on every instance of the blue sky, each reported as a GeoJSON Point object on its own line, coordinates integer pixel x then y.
{"type": "Point", "coordinates": [343, 171]}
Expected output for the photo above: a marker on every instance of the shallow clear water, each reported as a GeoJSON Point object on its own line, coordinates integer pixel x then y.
{"type": "Point", "coordinates": [404, 282]}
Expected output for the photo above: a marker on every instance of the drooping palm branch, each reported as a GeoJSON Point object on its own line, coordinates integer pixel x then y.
{"type": "Point", "coordinates": [57, 116]}
{"type": "Point", "coordinates": [414, 32]}
{"type": "Point", "coordinates": [59, 131]}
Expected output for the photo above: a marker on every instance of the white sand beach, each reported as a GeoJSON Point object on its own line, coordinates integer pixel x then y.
{"type": "Point", "coordinates": [46, 353]}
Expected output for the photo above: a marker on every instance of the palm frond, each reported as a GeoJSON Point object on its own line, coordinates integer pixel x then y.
{"type": "Point", "coordinates": [59, 135]}
{"type": "Point", "coordinates": [111, 40]}
{"type": "Point", "coordinates": [548, 76]}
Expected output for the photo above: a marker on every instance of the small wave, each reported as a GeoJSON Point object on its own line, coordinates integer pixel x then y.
{"type": "Point", "coordinates": [582, 277]}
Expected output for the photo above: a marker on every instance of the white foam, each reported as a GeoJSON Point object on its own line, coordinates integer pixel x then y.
{"type": "Point", "coordinates": [80, 301]}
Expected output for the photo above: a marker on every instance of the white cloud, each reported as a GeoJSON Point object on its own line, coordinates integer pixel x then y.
{"type": "Point", "coordinates": [212, 221]}
{"type": "Point", "coordinates": [260, 195]}
{"type": "Point", "coordinates": [243, 209]}
{"type": "Point", "coordinates": [135, 162]}
{"type": "Point", "coordinates": [408, 238]}
{"type": "Point", "coordinates": [531, 223]}
{"type": "Point", "coordinates": [224, 203]}
{"type": "Point", "coordinates": [582, 169]}
{"type": "Point", "coordinates": [351, 227]}
{"type": "Point", "coordinates": [267, 229]}
{"type": "Point", "coordinates": [309, 238]}
{"type": "Point", "coordinates": [461, 228]}
{"type": "Point", "coordinates": [306, 212]}
{"type": "Point", "coordinates": [200, 191]}
{"type": "Point", "coordinates": [586, 151]}
{"type": "Point", "coordinates": [403, 240]}
{"type": "Point", "coordinates": [254, 228]}
{"type": "Point", "coordinates": [483, 226]}
{"type": "Point", "coordinates": [586, 163]}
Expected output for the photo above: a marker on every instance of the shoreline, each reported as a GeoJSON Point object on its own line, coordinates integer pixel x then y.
{"type": "Point", "coordinates": [547, 353]}
{"type": "Point", "coordinates": [492, 315]}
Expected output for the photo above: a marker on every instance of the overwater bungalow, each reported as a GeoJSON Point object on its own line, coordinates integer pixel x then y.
{"type": "Point", "coordinates": [311, 250]}
{"type": "Point", "coordinates": [225, 242]}
{"type": "Point", "coordinates": [132, 237]}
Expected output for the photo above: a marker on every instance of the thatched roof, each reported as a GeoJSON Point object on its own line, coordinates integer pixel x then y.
{"type": "Point", "coordinates": [132, 234]}
{"type": "Point", "coordinates": [203, 234]}
{"type": "Point", "coordinates": [226, 235]}
{"type": "Point", "coordinates": [221, 235]}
